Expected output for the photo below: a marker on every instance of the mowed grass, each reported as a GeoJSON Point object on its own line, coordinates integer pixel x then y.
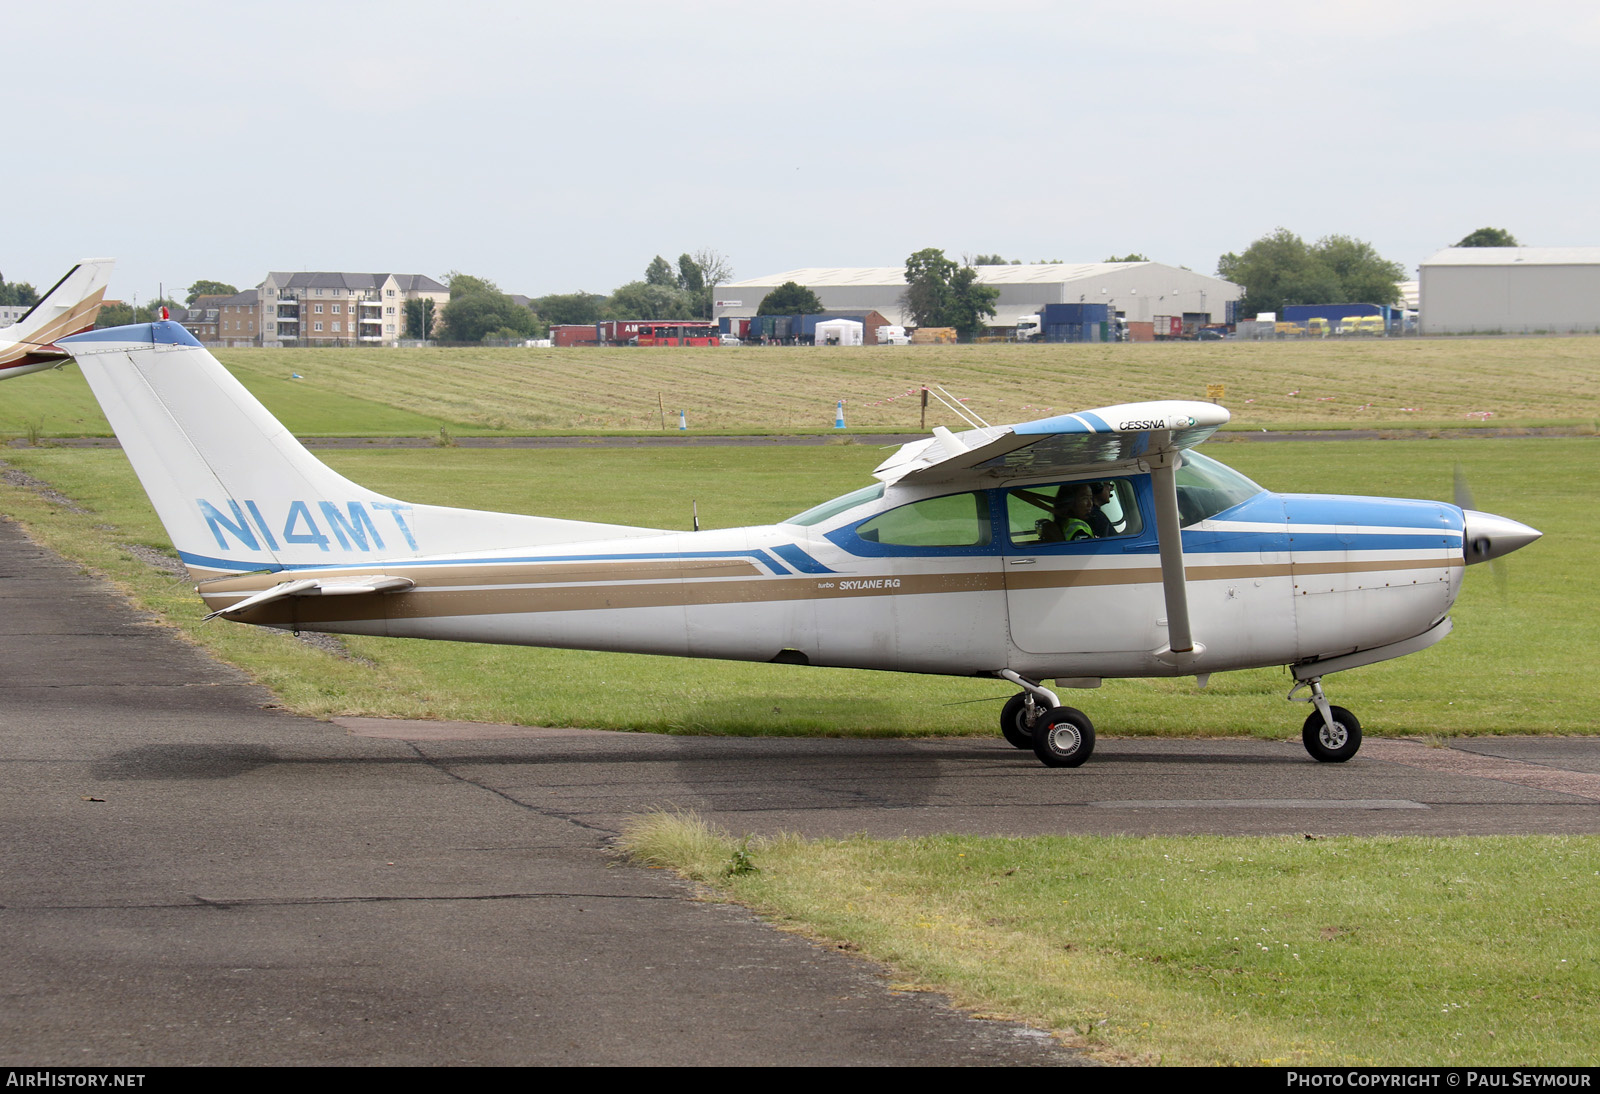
{"type": "Point", "coordinates": [1207, 950]}
{"type": "Point", "coordinates": [1368, 383]}
{"type": "Point", "coordinates": [1518, 662]}
{"type": "Point", "coordinates": [58, 403]}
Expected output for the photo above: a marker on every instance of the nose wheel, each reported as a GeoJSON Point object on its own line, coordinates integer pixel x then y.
{"type": "Point", "coordinates": [1331, 734]}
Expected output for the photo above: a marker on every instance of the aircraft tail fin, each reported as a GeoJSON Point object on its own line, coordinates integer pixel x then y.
{"type": "Point", "coordinates": [237, 492]}
{"type": "Point", "coordinates": [69, 307]}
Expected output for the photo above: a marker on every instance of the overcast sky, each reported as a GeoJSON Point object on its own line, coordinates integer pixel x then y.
{"type": "Point", "coordinates": [557, 147]}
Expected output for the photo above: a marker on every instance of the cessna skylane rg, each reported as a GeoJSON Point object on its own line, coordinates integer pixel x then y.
{"type": "Point", "coordinates": [1072, 549]}
{"type": "Point", "coordinates": [69, 307]}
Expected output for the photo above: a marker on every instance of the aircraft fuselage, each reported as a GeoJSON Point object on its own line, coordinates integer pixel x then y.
{"type": "Point", "coordinates": [1275, 579]}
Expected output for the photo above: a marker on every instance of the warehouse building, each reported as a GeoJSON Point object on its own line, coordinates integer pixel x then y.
{"type": "Point", "coordinates": [1140, 292]}
{"type": "Point", "coordinates": [1511, 290]}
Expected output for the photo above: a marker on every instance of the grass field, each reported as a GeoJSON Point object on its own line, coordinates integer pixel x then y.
{"type": "Point", "coordinates": [1377, 383]}
{"type": "Point", "coordinates": [1518, 661]}
{"type": "Point", "coordinates": [1173, 950]}
{"type": "Point", "coordinates": [1207, 950]}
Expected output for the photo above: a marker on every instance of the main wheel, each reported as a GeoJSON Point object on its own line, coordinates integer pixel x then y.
{"type": "Point", "coordinates": [1064, 737]}
{"type": "Point", "coordinates": [1332, 744]}
{"type": "Point", "coordinates": [1014, 720]}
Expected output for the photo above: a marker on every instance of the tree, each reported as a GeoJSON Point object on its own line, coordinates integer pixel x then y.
{"type": "Point", "coordinates": [114, 314]}
{"type": "Point", "coordinates": [645, 300]}
{"type": "Point", "coordinates": [1129, 258]}
{"type": "Point", "coordinates": [790, 298]}
{"type": "Point", "coordinates": [970, 302]}
{"type": "Point", "coordinates": [479, 311]}
{"type": "Point", "coordinates": [714, 267]}
{"type": "Point", "coordinates": [1489, 237]}
{"type": "Point", "coordinates": [699, 275]}
{"type": "Point", "coordinates": [659, 272]}
{"type": "Point", "coordinates": [419, 318]}
{"type": "Point", "coordinates": [209, 288]}
{"type": "Point", "coordinates": [927, 294]}
{"type": "Point", "coordinates": [691, 278]}
{"type": "Point", "coordinates": [119, 314]}
{"type": "Point", "coordinates": [1364, 275]}
{"type": "Point", "coordinates": [18, 294]}
{"type": "Point", "coordinates": [463, 284]}
{"type": "Point", "coordinates": [940, 293]}
{"type": "Point", "coordinates": [576, 307]}
{"type": "Point", "coordinates": [989, 260]}
{"type": "Point", "coordinates": [1281, 269]}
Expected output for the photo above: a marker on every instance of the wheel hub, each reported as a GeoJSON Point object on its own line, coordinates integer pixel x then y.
{"type": "Point", "coordinates": [1065, 738]}
{"type": "Point", "coordinates": [1333, 736]}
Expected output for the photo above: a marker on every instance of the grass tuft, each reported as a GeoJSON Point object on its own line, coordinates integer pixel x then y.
{"type": "Point", "coordinates": [682, 842]}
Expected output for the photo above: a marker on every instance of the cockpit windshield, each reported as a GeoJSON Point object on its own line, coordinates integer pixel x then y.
{"type": "Point", "coordinates": [1206, 488]}
{"type": "Point", "coordinates": [819, 513]}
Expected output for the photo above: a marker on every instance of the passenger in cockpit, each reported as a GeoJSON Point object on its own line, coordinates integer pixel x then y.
{"type": "Point", "coordinates": [1074, 507]}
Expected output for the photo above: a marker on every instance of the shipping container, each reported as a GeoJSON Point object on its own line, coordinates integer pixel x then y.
{"type": "Point", "coordinates": [573, 334]}
{"type": "Point", "coordinates": [1076, 322]}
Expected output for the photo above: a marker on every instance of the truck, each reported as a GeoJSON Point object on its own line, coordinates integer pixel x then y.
{"type": "Point", "coordinates": [893, 335]}
{"type": "Point", "coordinates": [1030, 328]}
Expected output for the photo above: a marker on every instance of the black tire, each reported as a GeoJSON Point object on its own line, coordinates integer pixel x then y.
{"type": "Point", "coordinates": [1014, 720]}
{"type": "Point", "coordinates": [1064, 737]}
{"type": "Point", "coordinates": [1332, 747]}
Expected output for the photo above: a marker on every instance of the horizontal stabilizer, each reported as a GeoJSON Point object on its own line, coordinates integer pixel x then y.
{"type": "Point", "coordinates": [350, 586]}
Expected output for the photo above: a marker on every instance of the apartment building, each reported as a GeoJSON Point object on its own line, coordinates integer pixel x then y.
{"type": "Point", "coordinates": [224, 320]}
{"type": "Point", "coordinates": [340, 309]}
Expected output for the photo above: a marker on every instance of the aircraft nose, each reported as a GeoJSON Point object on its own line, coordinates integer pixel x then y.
{"type": "Point", "coordinates": [1487, 536]}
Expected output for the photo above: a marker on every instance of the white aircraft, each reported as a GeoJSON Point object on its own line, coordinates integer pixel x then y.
{"type": "Point", "coordinates": [69, 307]}
{"type": "Point", "coordinates": [1072, 549]}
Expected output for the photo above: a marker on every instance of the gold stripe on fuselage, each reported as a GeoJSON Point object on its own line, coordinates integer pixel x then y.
{"type": "Point", "coordinates": [452, 591]}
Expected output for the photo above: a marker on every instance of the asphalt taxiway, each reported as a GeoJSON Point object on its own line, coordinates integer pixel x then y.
{"type": "Point", "coordinates": [189, 875]}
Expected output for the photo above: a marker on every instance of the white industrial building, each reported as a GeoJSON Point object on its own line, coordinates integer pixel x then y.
{"type": "Point", "coordinates": [1514, 290]}
{"type": "Point", "coordinates": [1139, 291]}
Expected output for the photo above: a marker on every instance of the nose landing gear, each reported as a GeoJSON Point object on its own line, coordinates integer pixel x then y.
{"type": "Point", "coordinates": [1331, 734]}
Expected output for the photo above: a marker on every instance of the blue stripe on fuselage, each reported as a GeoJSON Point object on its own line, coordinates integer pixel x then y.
{"type": "Point", "coordinates": [210, 562]}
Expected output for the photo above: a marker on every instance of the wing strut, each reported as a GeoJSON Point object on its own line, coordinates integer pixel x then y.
{"type": "Point", "coordinates": [1174, 584]}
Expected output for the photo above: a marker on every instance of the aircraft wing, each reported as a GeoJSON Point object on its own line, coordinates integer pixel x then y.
{"type": "Point", "coordinates": [1067, 444]}
{"type": "Point", "coordinates": [1070, 444]}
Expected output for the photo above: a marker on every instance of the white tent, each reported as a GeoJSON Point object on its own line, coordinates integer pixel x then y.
{"type": "Point", "coordinates": [839, 332]}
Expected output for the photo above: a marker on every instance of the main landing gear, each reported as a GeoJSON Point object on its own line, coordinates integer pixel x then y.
{"type": "Point", "coordinates": [1034, 718]}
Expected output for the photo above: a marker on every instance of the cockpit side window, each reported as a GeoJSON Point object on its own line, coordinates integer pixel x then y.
{"type": "Point", "coordinates": [955, 520]}
{"type": "Point", "coordinates": [818, 514]}
{"type": "Point", "coordinates": [1070, 511]}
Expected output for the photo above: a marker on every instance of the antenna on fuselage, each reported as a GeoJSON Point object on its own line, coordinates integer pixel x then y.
{"type": "Point", "coordinates": [694, 509]}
